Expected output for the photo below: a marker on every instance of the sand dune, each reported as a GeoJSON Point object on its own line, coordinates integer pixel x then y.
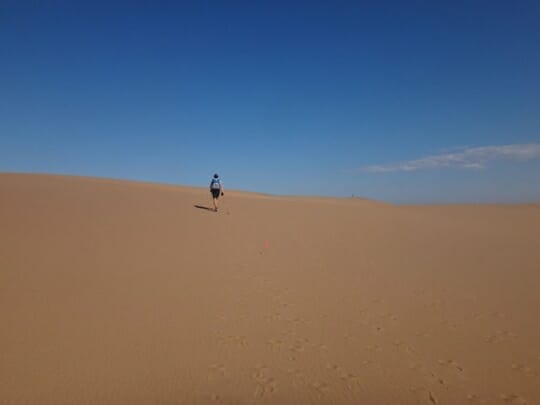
{"type": "Point", "coordinates": [118, 292]}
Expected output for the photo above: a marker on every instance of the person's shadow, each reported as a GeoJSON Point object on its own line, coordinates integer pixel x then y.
{"type": "Point", "coordinates": [202, 207]}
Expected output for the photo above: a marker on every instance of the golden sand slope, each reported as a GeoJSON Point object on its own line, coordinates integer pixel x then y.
{"type": "Point", "coordinates": [118, 292]}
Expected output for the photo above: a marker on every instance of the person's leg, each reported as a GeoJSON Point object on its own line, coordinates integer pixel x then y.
{"type": "Point", "coordinates": [215, 197]}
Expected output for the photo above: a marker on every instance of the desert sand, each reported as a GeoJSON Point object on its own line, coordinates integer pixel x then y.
{"type": "Point", "coordinates": [117, 292]}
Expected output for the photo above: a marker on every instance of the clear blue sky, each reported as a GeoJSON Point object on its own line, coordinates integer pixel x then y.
{"type": "Point", "coordinates": [292, 97]}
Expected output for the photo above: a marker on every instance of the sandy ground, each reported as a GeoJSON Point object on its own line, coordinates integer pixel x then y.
{"type": "Point", "coordinates": [117, 292]}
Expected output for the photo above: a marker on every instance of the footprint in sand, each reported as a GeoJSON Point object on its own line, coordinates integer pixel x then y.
{"type": "Point", "coordinates": [427, 374]}
{"type": "Point", "coordinates": [276, 344]}
{"type": "Point", "coordinates": [513, 399]}
{"type": "Point", "coordinates": [351, 380]}
{"type": "Point", "coordinates": [425, 395]}
{"type": "Point", "coordinates": [297, 376]}
{"type": "Point", "coordinates": [389, 317]}
{"type": "Point", "coordinates": [500, 336]}
{"type": "Point", "coordinates": [216, 369]}
{"type": "Point", "coordinates": [373, 348]}
{"type": "Point", "coordinates": [451, 364]}
{"type": "Point", "coordinates": [404, 347]}
{"type": "Point", "coordinates": [294, 344]}
{"type": "Point", "coordinates": [435, 379]}
{"type": "Point", "coordinates": [297, 321]}
{"type": "Point", "coordinates": [233, 340]}
{"type": "Point", "coordinates": [524, 369]}
{"type": "Point", "coordinates": [378, 301]}
{"type": "Point", "coordinates": [474, 316]}
{"type": "Point", "coordinates": [264, 384]}
{"type": "Point", "coordinates": [319, 388]}
{"type": "Point", "coordinates": [475, 399]}
{"type": "Point", "coordinates": [299, 345]}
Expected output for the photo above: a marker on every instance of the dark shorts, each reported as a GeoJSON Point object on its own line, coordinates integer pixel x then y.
{"type": "Point", "coordinates": [215, 193]}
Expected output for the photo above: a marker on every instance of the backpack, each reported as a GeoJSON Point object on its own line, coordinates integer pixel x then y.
{"type": "Point", "coordinates": [216, 184]}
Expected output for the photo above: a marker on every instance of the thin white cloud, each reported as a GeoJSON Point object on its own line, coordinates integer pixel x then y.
{"type": "Point", "coordinates": [465, 158]}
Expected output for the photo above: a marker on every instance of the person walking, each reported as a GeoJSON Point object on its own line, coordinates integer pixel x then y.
{"type": "Point", "coordinates": [216, 188]}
